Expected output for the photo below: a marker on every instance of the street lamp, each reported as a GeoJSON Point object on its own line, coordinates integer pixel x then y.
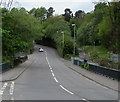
{"type": "Point", "coordinates": [94, 45]}
{"type": "Point", "coordinates": [63, 38]}
{"type": "Point", "coordinates": [74, 39]}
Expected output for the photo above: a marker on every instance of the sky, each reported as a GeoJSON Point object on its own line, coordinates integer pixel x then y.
{"type": "Point", "coordinates": [58, 5]}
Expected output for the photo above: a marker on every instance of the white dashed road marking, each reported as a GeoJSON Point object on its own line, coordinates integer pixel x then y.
{"type": "Point", "coordinates": [53, 74]}
{"type": "Point", "coordinates": [55, 77]}
{"type": "Point", "coordinates": [12, 88]}
{"type": "Point", "coordinates": [85, 100]}
{"type": "Point", "coordinates": [51, 71]}
{"type": "Point", "coordinates": [3, 88]}
{"type": "Point", "coordinates": [66, 90]}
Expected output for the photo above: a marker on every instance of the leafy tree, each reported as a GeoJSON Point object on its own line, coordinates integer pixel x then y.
{"type": "Point", "coordinates": [68, 14]}
{"type": "Point", "coordinates": [41, 13]}
{"type": "Point", "coordinates": [32, 11]}
{"type": "Point", "coordinates": [53, 27]}
{"type": "Point", "coordinates": [79, 14]}
{"type": "Point", "coordinates": [50, 12]}
{"type": "Point", "coordinates": [19, 29]}
{"type": "Point", "coordinates": [101, 26]}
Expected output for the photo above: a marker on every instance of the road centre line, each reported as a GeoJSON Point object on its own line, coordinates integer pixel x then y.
{"type": "Point", "coordinates": [85, 100]}
{"type": "Point", "coordinates": [53, 74]}
{"type": "Point", "coordinates": [48, 63]}
{"type": "Point", "coordinates": [12, 99]}
{"type": "Point", "coordinates": [55, 77]}
{"type": "Point", "coordinates": [66, 90]}
{"type": "Point", "coordinates": [51, 71]}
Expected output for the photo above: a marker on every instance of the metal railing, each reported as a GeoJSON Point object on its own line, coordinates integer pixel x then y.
{"type": "Point", "coordinates": [108, 72]}
{"type": "Point", "coordinates": [4, 67]}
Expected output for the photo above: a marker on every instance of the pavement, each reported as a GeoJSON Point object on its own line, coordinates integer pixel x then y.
{"type": "Point", "coordinates": [97, 78]}
{"type": "Point", "coordinates": [15, 72]}
{"type": "Point", "coordinates": [107, 82]}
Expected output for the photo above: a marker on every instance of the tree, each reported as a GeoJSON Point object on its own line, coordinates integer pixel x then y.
{"type": "Point", "coordinates": [53, 28]}
{"type": "Point", "coordinates": [32, 11]}
{"type": "Point", "coordinates": [41, 13]}
{"type": "Point", "coordinates": [68, 14]}
{"type": "Point", "coordinates": [50, 12]}
{"type": "Point", "coordinates": [19, 29]}
{"type": "Point", "coordinates": [79, 14]}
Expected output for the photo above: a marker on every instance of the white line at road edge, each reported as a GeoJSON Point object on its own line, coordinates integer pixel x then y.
{"type": "Point", "coordinates": [55, 77]}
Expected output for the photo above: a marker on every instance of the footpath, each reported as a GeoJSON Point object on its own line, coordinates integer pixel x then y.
{"type": "Point", "coordinates": [99, 79]}
{"type": "Point", "coordinates": [15, 72]}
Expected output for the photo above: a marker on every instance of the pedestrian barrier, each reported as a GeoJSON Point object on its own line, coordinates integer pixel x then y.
{"type": "Point", "coordinates": [108, 72]}
{"type": "Point", "coordinates": [4, 67]}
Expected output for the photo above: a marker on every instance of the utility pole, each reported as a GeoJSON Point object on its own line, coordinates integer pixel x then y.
{"type": "Point", "coordinates": [63, 38]}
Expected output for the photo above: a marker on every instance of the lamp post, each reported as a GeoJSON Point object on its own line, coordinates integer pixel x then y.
{"type": "Point", "coordinates": [63, 38]}
{"type": "Point", "coordinates": [94, 45]}
{"type": "Point", "coordinates": [74, 39]}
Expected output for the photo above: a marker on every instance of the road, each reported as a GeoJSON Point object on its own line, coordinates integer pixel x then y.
{"type": "Point", "coordinates": [47, 78]}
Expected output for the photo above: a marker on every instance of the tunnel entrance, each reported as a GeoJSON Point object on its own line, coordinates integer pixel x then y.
{"type": "Point", "coordinates": [46, 42]}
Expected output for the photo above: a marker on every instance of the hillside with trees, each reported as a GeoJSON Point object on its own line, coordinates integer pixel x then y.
{"type": "Point", "coordinates": [97, 29]}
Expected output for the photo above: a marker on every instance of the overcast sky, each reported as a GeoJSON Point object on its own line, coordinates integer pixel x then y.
{"type": "Point", "coordinates": [58, 5]}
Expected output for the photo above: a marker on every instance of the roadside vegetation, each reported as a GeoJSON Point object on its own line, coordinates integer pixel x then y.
{"type": "Point", "coordinates": [100, 55]}
{"type": "Point", "coordinates": [97, 32]}
{"type": "Point", "coordinates": [19, 29]}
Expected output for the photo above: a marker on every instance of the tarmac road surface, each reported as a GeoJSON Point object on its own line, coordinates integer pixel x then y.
{"type": "Point", "coordinates": [47, 78]}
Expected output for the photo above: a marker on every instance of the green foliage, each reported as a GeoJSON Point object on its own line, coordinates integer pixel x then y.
{"type": "Point", "coordinates": [105, 29]}
{"type": "Point", "coordinates": [85, 65]}
{"type": "Point", "coordinates": [19, 29]}
{"type": "Point", "coordinates": [101, 27]}
{"type": "Point", "coordinates": [50, 12]}
{"type": "Point", "coordinates": [53, 28]}
{"type": "Point", "coordinates": [97, 53]}
{"type": "Point", "coordinates": [68, 14]}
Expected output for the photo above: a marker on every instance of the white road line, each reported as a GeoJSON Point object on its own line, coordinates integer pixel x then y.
{"type": "Point", "coordinates": [50, 68]}
{"type": "Point", "coordinates": [3, 88]}
{"type": "Point", "coordinates": [5, 84]}
{"type": "Point", "coordinates": [51, 71]}
{"type": "Point", "coordinates": [66, 90]}
{"type": "Point", "coordinates": [12, 88]}
{"type": "Point", "coordinates": [53, 74]}
{"type": "Point", "coordinates": [12, 99]}
{"type": "Point", "coordinates": [56, 79]}
{"type": "Point", "coordinates": [1, 92]}
{"type": "Point", "coordinates": [85, 99]}
{"type": "Point", "coordinates": [48, 63]}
